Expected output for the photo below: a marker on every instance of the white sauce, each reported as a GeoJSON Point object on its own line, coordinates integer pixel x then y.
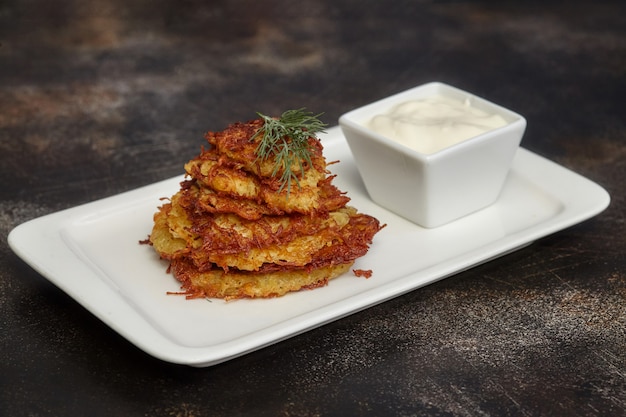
{"type": "Point", "coordinates": [431, 124]}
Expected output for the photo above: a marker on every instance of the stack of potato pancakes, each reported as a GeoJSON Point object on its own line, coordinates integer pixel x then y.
{"type": "Point", "coordinates": [233, 230]}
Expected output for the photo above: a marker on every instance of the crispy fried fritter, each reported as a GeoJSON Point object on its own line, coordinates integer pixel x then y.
{"type": "Point", "coordinates": [218, 283]}
{"type": "Point", "coordinates": [235, 183]}
{"type": "Point", "coordinates": [228, 241]}
{"type": "Point", "coordinates": [230, 233]}
{"type": "Point", "coordinates": [236, 146]}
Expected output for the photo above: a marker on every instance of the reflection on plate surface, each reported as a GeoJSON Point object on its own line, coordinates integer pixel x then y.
{"type": "Point", "coordinates": [92, 253]}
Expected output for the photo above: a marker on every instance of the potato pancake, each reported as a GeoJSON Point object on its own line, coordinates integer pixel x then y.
{"type": "Point", "coordinates": [232, 232]}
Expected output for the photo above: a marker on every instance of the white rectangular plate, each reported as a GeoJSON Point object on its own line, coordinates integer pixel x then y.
{"type": "Point", "coordinates": [92, 252]}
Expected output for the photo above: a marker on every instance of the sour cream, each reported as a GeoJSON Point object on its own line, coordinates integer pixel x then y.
{"type": "Point", "coordinates": [431, 124]}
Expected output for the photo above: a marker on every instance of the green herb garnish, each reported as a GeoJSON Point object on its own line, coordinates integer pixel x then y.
{"type": "Point", "coordinates": [287, 139]}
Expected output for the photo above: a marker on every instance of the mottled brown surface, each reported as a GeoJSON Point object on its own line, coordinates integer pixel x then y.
{"type": "Point", "coordinates": [99, 97]}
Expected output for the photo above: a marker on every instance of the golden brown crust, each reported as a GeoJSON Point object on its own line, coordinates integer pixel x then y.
{"type": "Point", "coordinates": [217, 283]}
{"type": "Point", "coordinates": [235, 145]}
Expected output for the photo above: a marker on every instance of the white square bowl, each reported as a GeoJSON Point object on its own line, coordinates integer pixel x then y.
{"type": "Point", "coordinates": [437, 188]}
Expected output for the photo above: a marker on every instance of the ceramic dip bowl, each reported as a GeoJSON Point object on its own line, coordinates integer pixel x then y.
{"type": "Point", "coordinates": [433, 153]}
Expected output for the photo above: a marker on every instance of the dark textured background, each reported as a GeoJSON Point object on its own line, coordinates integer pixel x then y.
{"type": "Point", "coordinates": [100, 97]}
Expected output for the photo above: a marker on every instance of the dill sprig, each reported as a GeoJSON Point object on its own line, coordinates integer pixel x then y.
{"type": "Point", "coordinates": [287, 140]}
